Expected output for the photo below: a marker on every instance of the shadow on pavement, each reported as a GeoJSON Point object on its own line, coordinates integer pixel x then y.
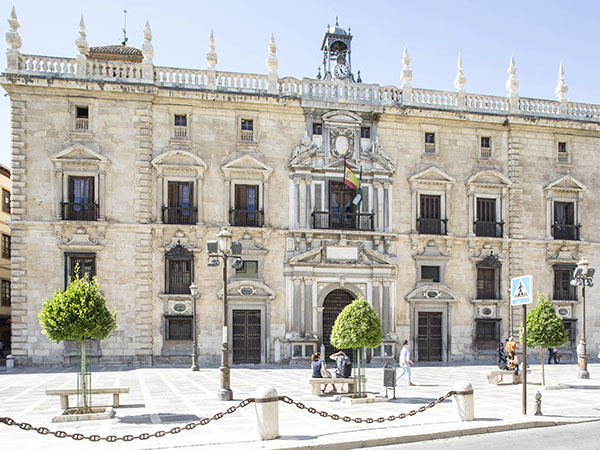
{"type": "Point", "coordinates": [586, 387]}
{"type": "Point", "coordinates": [164, 418]}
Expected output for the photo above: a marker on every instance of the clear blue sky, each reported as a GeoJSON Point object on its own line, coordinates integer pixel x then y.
{"type": "Point", "coordinates": [539, 33]}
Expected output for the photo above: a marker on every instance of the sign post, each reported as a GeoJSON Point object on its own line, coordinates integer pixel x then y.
{"type": "Point", "coordinates": [520, 294]}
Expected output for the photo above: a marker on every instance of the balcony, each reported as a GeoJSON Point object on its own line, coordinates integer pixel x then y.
{"type": "Point", "coordinates": [79, 211]}
{"type": "Point", "coordinates": [246, 218]}
{"type": "Point", "coordinates": [179, 215]}
{"type": "Point", "coordinates": [431, 226]}
{"type": "Point", "coordinates": [327, 220]}
{"type": "Point", "coordinates": [489, 229]}
{"type": "Point", "coordinates": [180, 131]}
{"type": "Point", "coordinates": [247, 136]}
{"type": "Point", "coordinates": [565, 231]}
{"type": "Point", "coordinates": [81, 124]}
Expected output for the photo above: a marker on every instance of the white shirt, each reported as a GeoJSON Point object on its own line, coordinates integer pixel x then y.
{"type": "Point", "coordinates": [404, 357]}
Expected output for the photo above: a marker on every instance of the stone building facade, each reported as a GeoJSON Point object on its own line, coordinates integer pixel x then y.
{"type": "Point", "coordinates": [5, 335]}
{"type": "Point", "coordinates": [128, 169]}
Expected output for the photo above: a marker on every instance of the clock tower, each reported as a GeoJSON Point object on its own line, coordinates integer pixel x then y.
{"type": "Point", "coordinates": [336, 53]}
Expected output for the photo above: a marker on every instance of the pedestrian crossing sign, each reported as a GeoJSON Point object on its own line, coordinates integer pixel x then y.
{"type": "Point", "coordinates": [520, 291]}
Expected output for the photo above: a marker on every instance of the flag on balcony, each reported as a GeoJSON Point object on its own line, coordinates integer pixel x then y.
{"type": "Point", "coordinates": [358, 198]}
{"type": "Point", "coordinates": [350, 179]}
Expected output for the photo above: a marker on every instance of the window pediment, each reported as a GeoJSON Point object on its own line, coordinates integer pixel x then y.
{"type": "Point", "coordinates": [432, 292]}
{"type": "Point", "coordinates": [488, 179]}
{"type": "Point", "coordinates": [565, 184]}
{"type": "Point", "coordinates": [79, 154]}
{"type": "Point", "coordinates": [248, 289]}
{"type": "Point", "coordinates": [432, 175]}
{"type": "Point", "coordinates": [179, 160]}
{"type": "Point", "coordinates": [247, 166]}
{"type": "Point", "coordinates": [331, 254]}
{"type": "Point", "coordinates": [341, 118]}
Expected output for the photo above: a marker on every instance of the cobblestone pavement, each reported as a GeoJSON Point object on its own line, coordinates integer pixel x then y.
{"type": "Point", "coordinates": [165, 397]}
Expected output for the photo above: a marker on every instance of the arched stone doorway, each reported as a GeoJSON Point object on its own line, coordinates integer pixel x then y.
{"type": "Point", "coordinates": [333, 304]}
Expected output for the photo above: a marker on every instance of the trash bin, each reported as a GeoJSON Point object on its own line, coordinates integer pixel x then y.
{"type": "Point", "coordinates": [10, 362]}
{"type": "Point", "coordinates": [389, 378]}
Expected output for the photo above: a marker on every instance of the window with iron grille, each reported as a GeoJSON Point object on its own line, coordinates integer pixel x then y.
{"type": "Point", "coordinates": [430, 143]}
{"type": "Point", "coordinates": [179, 270]}
{"type": "Point", "coordinates": [81, 204]}
{"type": "Point", "coordinates": [85, 263]}
{"type": "Point", "coordinates": [430, 274]}
{"type": "Point", "coordinates": [5, 201]}
{"type": "Point", "coordinates": [180, 208]}
{"type": "Point", "coordinates": [247, 130]}
{"type": "Point", "coordinates": [563, 155]}
{"type": "Point", "coordinates": [487, 283]}
{"type": "Point", "coordinates": [430, 220]}
{"type": "Point", "coordinates": [563, 290]}
{"type": "Point", "coordinates": [6, 246]}
{"type": "Point", "coordinates": [317, 129]}
{"type": "Point", "coordinates": [487, 332]}
{"type": "Point", "coordinates": [486, 223]}
{"type": "Point", "coordinates": [564, 226]}
{"type": "Point", "coordinates": [570, 326]}
{"type": "Point", "coordinates": [5, 293]}
{"type": "Point", "coordinates": [486, 147]}
{"type": "Point", "coordinates": [82, 117]}
{"type": "Point", "coordinates": [365, 132]}
{"type": "Point", "coordinates": [180, 125]}
{"type": "Point", "coordinates": [179, 328]}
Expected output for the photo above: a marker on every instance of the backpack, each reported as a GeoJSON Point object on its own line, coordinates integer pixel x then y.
{"type": "Point", "coordinates": [346, 368]}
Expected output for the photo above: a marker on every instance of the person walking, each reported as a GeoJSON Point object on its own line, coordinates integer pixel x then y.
{"type": "Point", "coordinates": [552, 351]}
{"type": "Point", "coordinates": [405, 363]}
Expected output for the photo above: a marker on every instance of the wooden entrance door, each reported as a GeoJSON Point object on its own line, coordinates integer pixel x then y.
{"type": "Point", "coordinates": [429, 336]}
{"type": "Point", "coordinates": [246, 336]}
{"type": "Point", "coordinates": [332, 306]}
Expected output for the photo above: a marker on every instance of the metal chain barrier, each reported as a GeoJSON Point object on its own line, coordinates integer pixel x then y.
{"type": "Point", "coordinates": [190, 426]}
{"type": "Point", "coordinates": [128, 437]}
{"type": "Point", "coordinates": [312, 410]}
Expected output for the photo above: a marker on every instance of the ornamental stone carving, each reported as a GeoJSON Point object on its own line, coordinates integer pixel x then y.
{"type": "Point", "coordinates": [341, 142]}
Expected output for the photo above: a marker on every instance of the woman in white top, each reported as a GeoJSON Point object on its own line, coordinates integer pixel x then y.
{"type": "Point", "coordinates": [405, 362]}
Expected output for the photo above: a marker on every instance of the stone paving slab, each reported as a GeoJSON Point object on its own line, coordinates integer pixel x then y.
{"type": "Point", "coordinates": [165, 397]}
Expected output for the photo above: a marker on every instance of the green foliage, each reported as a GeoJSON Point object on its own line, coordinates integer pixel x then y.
{"type": "Point", "coordinates": [78, 313]}
{"type": "Point", "coordinates": [357, 326]}
{"type": "Point", "coordinates": [544, 326]}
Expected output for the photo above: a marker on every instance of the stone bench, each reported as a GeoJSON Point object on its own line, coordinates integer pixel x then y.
{"type": "Point", "coordinates": [64, 394]}
{"type": "Point", "coordinates": [494, 376]}
{"type": "Point", "coordinates": [317, 382]}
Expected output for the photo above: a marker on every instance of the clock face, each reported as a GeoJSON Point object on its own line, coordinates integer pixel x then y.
{"type": "Point", "coordinates": [340, 70]}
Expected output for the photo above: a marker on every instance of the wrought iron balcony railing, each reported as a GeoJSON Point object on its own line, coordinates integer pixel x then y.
{"type": "Point", "coordinates": [431, 226]}
{"type": "Point", "coordinates": [79, 211]}
{"type": "Point", "coordinates": [180, 215]}
{"type": "Point", "coordinates": [489, 229]}
{"type": "Point", "coordinates": [246, 218]}
{"type": "Point", "coordinates": [565, 231]}
{"type": "Point", "coordinates": [328, 220]}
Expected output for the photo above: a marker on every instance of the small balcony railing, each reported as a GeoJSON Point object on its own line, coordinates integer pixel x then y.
{"type": "Point", "coordinates": [328, 220]}
{"type": "Point", "coordinates": [81, 123]}
{"type": "Point", "coordinates": [180, 131]}
{"type": "Point", "coordinates": [431, 226]}
{"type": "Point", "coordinates": [179, 215]}
{"type": "Point", "coordinates": [79, 211]}
{"type": "Point", "coordinates": [565, 231]}
{"type": "Point", "coordinates": [247, 136]}
{"type": "Point", "coordinates": [179, 283]}
{"type": "Point", "coordinates": [489, 229]}
{"type": "Point", "coordinates": [429, 148]}
{"type": "Point", "coordinates": [246, 218]}
{"type": "Point", "coordinates": [565, 294]}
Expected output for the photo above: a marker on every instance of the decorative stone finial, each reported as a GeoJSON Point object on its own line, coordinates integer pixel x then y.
{"type": "Point", "coordinates": [147, 48]}
{"type": "Point", "coordinates": [406, 72]}
{"type": "Point", "coordinates": [561, 88]}
{"type": "Point", "coordinates": [211, 55]}
{"type": "Point", "coordinates": [81, 42]}
{"type": "Point", "coordinates": [460, 80]}
{"type": "Point", "coordinates": [13, 39]}
{"type": "Point", "coordinates": [512, 84]}
{"type": "Point", "coordinates": [272, 63]}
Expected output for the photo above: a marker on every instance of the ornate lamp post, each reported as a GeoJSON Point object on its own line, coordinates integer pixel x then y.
{"type": "Point", "coordinates": [194, 292]}
{"type": "Point", "coordinates": [583, 277]}
{"type": "Point", "coordinates": [224, 249]}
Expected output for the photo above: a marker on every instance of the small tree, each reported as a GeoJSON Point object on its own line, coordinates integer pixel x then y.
{"type": "Point", "coordinates": [356, 327]}
{"type": "Point", "coordinates": [78, 313]}
{"type": "Point", "coordinates": [544, 328]}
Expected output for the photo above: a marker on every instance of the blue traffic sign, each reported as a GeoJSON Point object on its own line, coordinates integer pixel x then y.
{"type": "Point", "coordinates": [520, 291]}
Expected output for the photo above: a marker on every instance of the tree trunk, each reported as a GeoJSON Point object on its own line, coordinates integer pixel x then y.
{"type": "Point", "coordinates": [83, 376]}
{"type": "Point", "coordinates": [543, 373]}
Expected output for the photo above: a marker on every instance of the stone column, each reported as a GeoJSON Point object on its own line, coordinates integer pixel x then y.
{"type": "Point", "coordinates": [548, 216]}
{"type": "Point", "coordinates": [296, 306]}
{"type": "Point", "coordinates": [385, 317]}
{"type": "Point", "coordinates": [102, 194]}
{"type": "Point", "coordinates": [302, 308]}
{"type": "Point", "coordinates": [471, 213]}
{"type": "Point", "coordinates": [199, 198]}
{"type": "Point", "coordinates": [302, 205]}
{"type": "Point", "coordinates": [265, 201]}
{"type": "Point", "coordinates": [413, 209]}
{"type": "Point", "coordinates": [308, 313]}
{"type": "Point", "coordinates": [58, 185]}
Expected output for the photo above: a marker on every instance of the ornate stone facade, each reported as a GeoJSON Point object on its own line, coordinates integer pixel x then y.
{"type": "Point", "coordinates": [130, 168]}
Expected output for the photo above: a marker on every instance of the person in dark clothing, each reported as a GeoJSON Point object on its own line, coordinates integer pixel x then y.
{"type": "Point", "coordinates": [501, 355]}
{"type": "Point", "coordinates": [552, 355]}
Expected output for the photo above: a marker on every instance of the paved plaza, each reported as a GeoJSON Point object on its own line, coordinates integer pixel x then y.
{"type": "Point", "coordinates": [165, 397]}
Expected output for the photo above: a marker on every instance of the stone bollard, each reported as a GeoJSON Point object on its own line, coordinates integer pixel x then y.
{"type": "Point", "coordinates": [10, 362]}
{"type": "Point", "coordinates": [266, 404]}
{"type": "Point", "coordinates": [462, 402]}
{"type": "Point", "coordinates": [538, 404]}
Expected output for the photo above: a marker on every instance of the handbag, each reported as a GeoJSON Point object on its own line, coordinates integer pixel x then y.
{"type": "Point", "coordinates": [324, 372]}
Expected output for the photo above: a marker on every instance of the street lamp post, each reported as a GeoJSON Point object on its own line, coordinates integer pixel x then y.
{"type": "Point", "coordinates": [224, 249]}
{"type": "Point", "coordinates": [194, 292]}
{"type": "Point", "coordinates": [583, 277]}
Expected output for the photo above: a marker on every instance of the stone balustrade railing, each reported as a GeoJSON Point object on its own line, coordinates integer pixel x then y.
{"type": "Point", "coordinates": [305, 89]}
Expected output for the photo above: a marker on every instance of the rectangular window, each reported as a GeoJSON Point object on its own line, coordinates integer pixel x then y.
{"type": "Point", "coordinates": [571, 330]}
{"type": "Point", "coordinates": [430, 274]}
{"type": "Point", "coordinates": [487, 333]}
{"type": "Point", "coordinates": [6, 246]}
{"type": "Point", "coordinates": [5, 293]}
{"type": "Point", "coordinates": [317, 129]}
{"type": "Point", "coordinates": [84, 262]}
{"type": "Point", "coordinates": [430, 221]}
{"type": "Point", "coordinates": [5, 201]}
{"type": "Point", "coordinates": [365, 132]}
{"type": "Point", "coordinates": [81, 204]}
{"type": "Point", "coordinates": [179, 276]}
{"type": "Point", "coordinates": [430, 143]}
{"type": "Point", "coordinates": [486, 224]}
{"type": "Point", "coordinates": [180, 124]}
{"type": "Point", "coordinates": [82, 118]}
{"type": "Point", "coordinates": [249, 269]}
{"type": "Point", "coordinates": [564, 221]}
{"type": "Point", "coordinates": [562, 283]}
{"type": "Point", "coordinates": [486, 147]}
{"type": "Point", "coordinates": [246, 211]}
{"type": "Point", "coordinates": [486, 283]}
{"type": "Point", "coordinates": [563, 155]}
{"type": "Point", "coordinates": [247, 132]}
{"type": "Point", "coordinates": [179, 328]}
{"type": "Point", "coordinates": [180, 207]}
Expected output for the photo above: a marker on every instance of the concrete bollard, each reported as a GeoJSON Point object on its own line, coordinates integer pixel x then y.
{"type": "Point", "coordinates": [463, 402]}
{"type": "Point", "coordinates": [538, 404]}
{"type": "Point", "coordinates": [266, 404]}
{"type": "Point", "coordinates": [10, 362]}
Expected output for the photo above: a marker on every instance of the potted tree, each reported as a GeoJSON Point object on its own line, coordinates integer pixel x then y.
{"type": "Point", "coordinates": [544, 328]}
{"type": "Point", "coordinates": [78, 313]}
{"type": "Point", "coordinates": [356, 327]}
